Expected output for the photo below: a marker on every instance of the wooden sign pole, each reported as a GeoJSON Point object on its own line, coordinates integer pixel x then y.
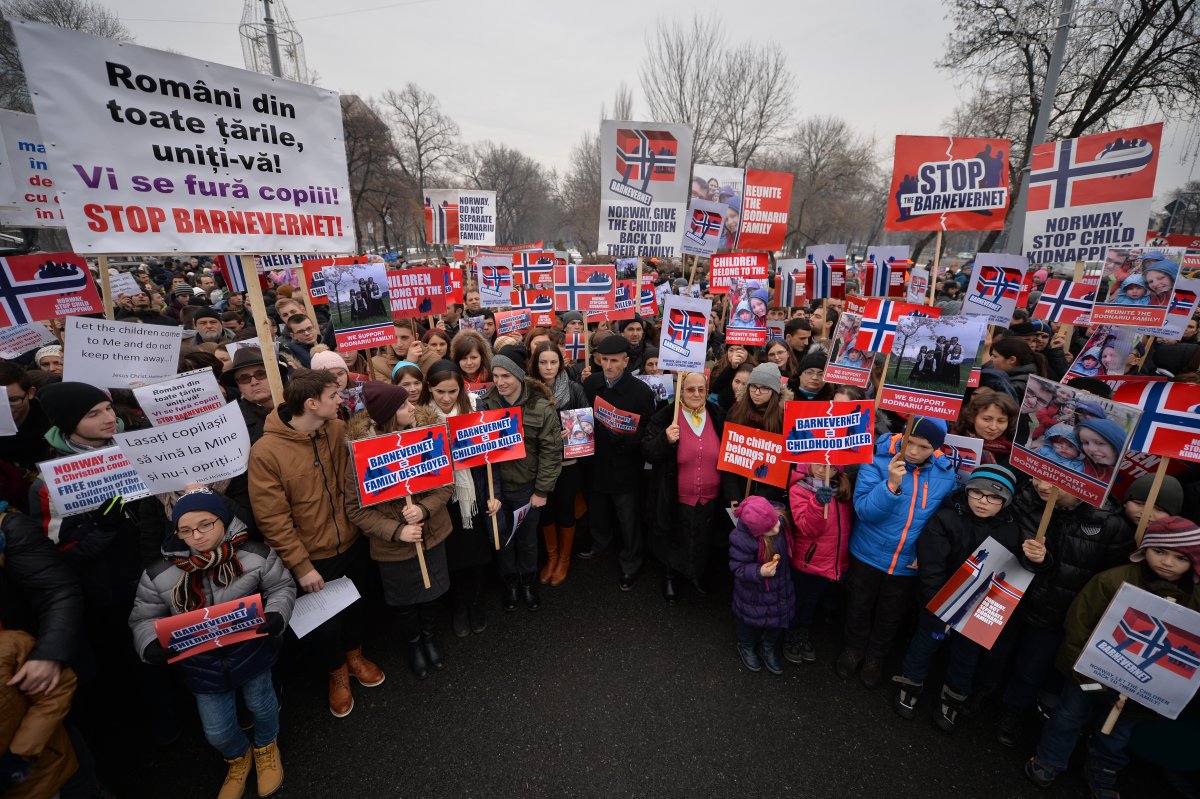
{"type": "Point", "coordinates": [937, 260]}
{"type": "Point", "coordinates": [1051, 501]}
{"type": "Point", "coordinates": [105, 287]}
{"type": "Point", "coordinates": [1151, 498]}
{"type": "Point", "coordinates": [420, 550]}
{"type": "Point", "coordinates": [491, 496]}
{"type": "Point", "coordinates": [258, 308]}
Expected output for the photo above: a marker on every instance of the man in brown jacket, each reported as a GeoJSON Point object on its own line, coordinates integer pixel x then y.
{"type": "Point", "coordinates": [297, 486]}
{"type": "Point", "coordinates": [38, 751]}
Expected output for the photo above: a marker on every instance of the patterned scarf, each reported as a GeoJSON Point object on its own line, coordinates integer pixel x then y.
{"type": "Point", "coordinates": [222, 562]}
{"type": "Point", "coordinates": [562, 390]}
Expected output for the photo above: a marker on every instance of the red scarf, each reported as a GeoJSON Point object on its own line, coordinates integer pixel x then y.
{"type": "Point", "coordinates": [222, 562]}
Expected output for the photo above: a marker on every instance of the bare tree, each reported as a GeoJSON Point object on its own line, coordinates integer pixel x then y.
{"type": "Point", "coordinates": [622, 103]}
{"type": "Point", "coordinates": [78, 15]}
{"type": "Point", "coordinates": [679, 78]}
{"type": "Point", "coordinates": [371, 159]}
{"type": "Point", "coordinates": [523, 189]}
{"type": "Point", "coordinates": [578, 193]}
{"type": "Point", "coordinates": [754, 101]}
{"type": "Point", "coordinates": [427, 139]}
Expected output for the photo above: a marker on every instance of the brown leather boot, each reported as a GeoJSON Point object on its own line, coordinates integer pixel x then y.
{"type": "Point", "coordinates": [367, 673]}
{"type": "Point", "coordinates": [550, 536]}
{"type": "Point", "coordinates": [566, 540]}
{"type": "Point", "coordinates": [268, 768]}
{"type": "Point", "coordinates": [236, 777]}
{"type": "Point", "coordinates": [341, 701]}
{"type": "Point", "coordinates": [580, 505]}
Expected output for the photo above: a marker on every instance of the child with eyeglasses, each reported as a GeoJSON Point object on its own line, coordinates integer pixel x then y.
{"type": "Point", "coordinates": [974, 513]}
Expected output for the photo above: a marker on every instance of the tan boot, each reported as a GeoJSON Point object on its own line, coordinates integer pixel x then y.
{"type": "Point", "coordinates": [268, 768]}
{"type": "Point", "coordinates": [580, 505]}
{"type": "Point", "coordinates": [236, 777]}
{"type": "Point", "coordinates": [566, 540]}
{"type": "Point", "coordinates": [550, 536]}
{"type": "Point", "coordinates": [366, 672]}
{"type": "Point", "coordinates": [341, 701]}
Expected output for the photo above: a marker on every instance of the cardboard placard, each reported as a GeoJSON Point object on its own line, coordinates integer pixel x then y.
{"type": "Point", "coordinates": [982, 594]}
{"type": "Point", "coordinates": [119, 354]}
{"type": "Point", "coordinates": [754, 454]}
{"type": "Point", "coordinates": [79, 483]}
{"type": "Point", "coordinates": [484, 437]}
{"type": "Point", "coordinates": [397, 465]}
{"type": "Point", "coordinates": [209, 628]}
{"type": "Point", "coordinates": [836, 433]}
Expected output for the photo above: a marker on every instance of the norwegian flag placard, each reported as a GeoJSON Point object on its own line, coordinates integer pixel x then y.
{"type": "Point", "coordinates": [837, 433]}
{"type": "Point", "coordinates": [538, 300]}
{"type": "Point", "coordinates": [398, 465]}
{"type": "Point", "coordinates": [995, 285]}
{"type": "Point", "coordinates": [683, 340]}
{"type": "Point", "coordinates": [575, 346]}
{"type": "Point", "coordinates": [885, 271]}
{"type": "Point", "coordinates": [790, 285]}
{"type": "Point", "coordinates": [585, 287]}
{"type": "Point", "coordinates": [513, 322]}
{"type": "Point", "coordinates": [964, 453]}
{"type": "Point", "coordinates": [483, 437]}
{"type": "Point", "coordinates": [825, 267]}
{"type": "Point", "coordinates": [981, 595]}
{"type": "Point", "coordinates": [877, 328]}
{"type": "Point", "coordinates": [494, 275]}
{"type": "Point", "coordinates": [1170, 423]}
{"type": "Point", "coordinates": [1066, 302]}
{"type": "Point", "coordinates": [532, 268]}
{"type": "Point", "coordinates": [1147, 648]}
{"type": "Point", "coordinates": [34, 288]}
{"type": "Point", "coordinates": [1180, 311]}
{"type": "Point", "coordinates": [702, 231]}
{"type": "Point", "coordinates": [1092, 193]}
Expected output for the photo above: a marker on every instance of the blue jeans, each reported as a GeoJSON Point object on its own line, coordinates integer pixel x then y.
{"type": "Point", "coordinates": [218, 716]}
{"type": "Point", "coordinates": [1076, 710]}
{"type": "Point", "coordinates": [964, 655]}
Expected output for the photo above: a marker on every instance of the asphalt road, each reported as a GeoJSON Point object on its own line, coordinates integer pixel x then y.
{"type": "Point", "coordinates": [602, 693]}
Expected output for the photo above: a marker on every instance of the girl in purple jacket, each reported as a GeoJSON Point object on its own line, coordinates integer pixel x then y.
{"type": "Point", "coordinates": [763, 600]}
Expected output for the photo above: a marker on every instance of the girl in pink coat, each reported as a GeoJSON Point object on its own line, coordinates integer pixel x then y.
{"type": "Point", "coordinates": [820, 498]}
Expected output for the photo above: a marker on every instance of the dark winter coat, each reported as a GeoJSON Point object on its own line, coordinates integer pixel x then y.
{"type": "Point", "coordinates": [664, 478]}
{"type": "Point", "coordinates": [1080, 542]}
{"type": "Point", "coordinates": [617, 466]}
{"type": "Point", "coordinates": [542, 429]}
{"type": "Point", "coordinates": [39, 593]}
{"type": "Point", "coordinates": [760, 601]}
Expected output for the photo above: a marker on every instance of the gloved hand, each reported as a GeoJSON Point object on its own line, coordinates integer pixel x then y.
{"type": "Point", "coordinates": [156, 654]}
{"type": "Point", "coordinates": [110, 514]}
{"type": "Point", "coordinates": [273, 624]}
{"type": "Point", "coordinates": [825, 495]}
{"type": "Point", "coordinates": [14, 769]}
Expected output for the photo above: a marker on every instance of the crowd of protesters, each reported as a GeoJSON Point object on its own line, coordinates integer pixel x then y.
{"type": "Point", "coordinates": [870, 545]}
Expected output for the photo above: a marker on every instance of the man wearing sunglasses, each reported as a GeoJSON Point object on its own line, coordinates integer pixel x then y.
{"type": "Point", "coordinates": [248, 375]}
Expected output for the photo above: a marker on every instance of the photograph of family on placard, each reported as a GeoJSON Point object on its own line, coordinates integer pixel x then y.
{"type": "Point", "coordinates": [935, 354]}
{"type": "Point", "coordinates": [1106, 353]}
{"type": "Point", "coordinates": [1136, 285]}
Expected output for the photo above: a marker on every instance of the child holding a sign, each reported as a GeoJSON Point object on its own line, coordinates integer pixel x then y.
{"type": "Point", "coordinates": [211, 560]}
{"type": "Point", "coordinates": [1166, 564]}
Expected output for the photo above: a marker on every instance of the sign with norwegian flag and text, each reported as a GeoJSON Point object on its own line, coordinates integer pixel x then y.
{"type": "Point", "coordinates": [683, 340]}
{"type": "Point", "coordinates": [994, 287]}
{"type": "Point", "coordinates": [702, 233]}
{"type": "Point", "coordinates": [1170, 422]}
{"type": "Point", "coordinates": [585, 287]}
{"type": "Point", "coordinates": [34, 288]}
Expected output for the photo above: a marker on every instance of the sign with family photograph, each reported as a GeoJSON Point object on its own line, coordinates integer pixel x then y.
{"type": "Point", "coordinates": [931, 363]}
{"type": "Point", "coordinates": [848, 365]}
{"type": "Point", "coordinates": [747, 324]}
{"type": "Point", "coordinates": [359, 305]}
{"type": "Point", "coordinates": [1106, 352]}
{"type": "Point", "coordinates": [1072, 438]}
{"type": "Point", "coordinates": [1136, 286]}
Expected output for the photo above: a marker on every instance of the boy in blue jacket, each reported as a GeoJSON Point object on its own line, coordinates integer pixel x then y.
{"type": "Point", "coordinates": [896, 495]}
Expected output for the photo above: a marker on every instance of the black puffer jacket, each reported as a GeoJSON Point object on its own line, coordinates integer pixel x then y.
{"type": "Point", "coordinates": [39, 592]}
{"type": "Point", "coordinates": [1081, 542]}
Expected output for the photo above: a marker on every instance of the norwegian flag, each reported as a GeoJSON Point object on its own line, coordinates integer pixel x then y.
{"type": "Point", "coordinates": [529, 268]}
{"type": "Point", "coordinates": [998, 282]}
{"type": "Point", "coordinates": [1065, 168]}
{"type": "Point", "coordinates": [827, 279]}
{"type": "Point", "coordinates": [646, 155]}
{"type": "Point", "coordinates": [231, 267]}
{"type": "Point", "coordinates": [1150, 641]}
{"type": "Point", "coordinates": [790, 284]}
{"type": "Point", "coordinates": [685, 326]}
{"type": "Point", "coordinates": [460, 253]}
{"type": "Point", "coordinates": [579, 287]}
{"type": "Point", "coordinates": [703, 224]}
{"type": "Point", "coordinates": [44, 286]}
{"type": "Point", "coordinates": [441, 220]}
{"type": "Point", "coordinates": [1182, 302]}
{"type": "Point", "coordinates": [1064, 301]}
{"type": "Point", "coordinates": [575, 345]}
{"type": "Point", "coordinates": [494, 278]}
{"type": "Point", "coordinates": [536, 299]}
{"type": "Point", "coordinates": [1170, 424]}
{"type": "Point", "coordinates": [961, 458]}
{"type": "Point", "coordinates": [885, 279]}
{"type": "Point", "coordinates": [877, 330]}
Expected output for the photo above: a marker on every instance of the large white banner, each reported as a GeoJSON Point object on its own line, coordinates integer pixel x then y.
{"type": "Point", "coordinates": [157, 152]}
{"type": "Point", "coordinates": [32, 176]}
{"type": "Point", "coordinates": [644, 175]}
{"type": "Point", "coordinates": [205, 448]}
{"type": "Point", "coordinates": [119, 354]}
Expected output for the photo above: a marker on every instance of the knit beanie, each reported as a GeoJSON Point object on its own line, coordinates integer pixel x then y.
{"type": "Point", "coordinates": [201, 499]}
{"type": "Point", "coordinates": [68, 402]}
{"type": "Point", "coordinates": [327, 359]}
{"type": "Point", "coordinates": [1170, 494]}
{"type": "Point", "coordinates": [766, 375]}
{"type": "Point", "coordinates": [815, 359]}
{"type": "Point", "coordinates": [206, 313]}
{"type": "Point", "coordinates": [511, 359]}
{"type": "Point", "coordinates": [47, 351]}
{"type": "Point", "coordinates": [571, 316]}
{"type": "Point", "coordinates": [932, 430]}
{"type": "Point", "coordinates": [995, 478]}
{"type": "Point", "coordinates": [382, 400]}
{"type": "Point", "coordinates": [1176, 534]}
{"type": "Point", "coordinates": [758, 515]}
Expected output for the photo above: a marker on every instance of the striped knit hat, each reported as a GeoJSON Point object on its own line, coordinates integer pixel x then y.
{"type": "Point", "coordinates": [1176, 534]}
{"type": "Point", "coordinates": [995, 478]}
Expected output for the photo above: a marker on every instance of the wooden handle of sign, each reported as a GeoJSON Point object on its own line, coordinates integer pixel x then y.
{"type": "Point", "coordinates": [491, 496]}
{"type": "Point", "coordinates": [105, 287]}
{"type": "Point", "coordinates": [258, 308]}
{"type": "Point", "coordinates": [1111, 720]}
{"type": "Point", "coordinates": [879, 388]}
{"type": "Point", "coordinates": [937, 261]}
{"type": "Point", "coordinates": [908, 428]}
{"type": "Point", "coordinates": [1047, 512]}
{"type": "Point", "coordinates": [749, 485]}
{"type": "Point", "coordinates": [692, 276]}
{"type": "Point", "coordinates": [1148, 507]}
{"type": "Point", "coordinates": [678, 391]}
{"type": "Point", "coordinates": [420, 552]}
{"type": "Point", "coordinates": [432, 323]}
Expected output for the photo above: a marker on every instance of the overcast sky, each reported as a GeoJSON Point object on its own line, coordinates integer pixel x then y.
{"type": "Point", "coordinates": [534, 73]}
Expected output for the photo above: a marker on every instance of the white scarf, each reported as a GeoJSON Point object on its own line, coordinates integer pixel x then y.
{"type": "Point", "coordinates": [464, 482]}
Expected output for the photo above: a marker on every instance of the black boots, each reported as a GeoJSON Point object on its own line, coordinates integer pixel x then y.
{"type": "Point", "coordinates": [433, 653]}
{"type": "Point", "coordinates": [417, 660]}
{"type": "Point", "coordinates": [669, 588]}
{"type": "Point", "coordinates": [511, 594]}
{"type": "Point", "coordinates": [529, 594]}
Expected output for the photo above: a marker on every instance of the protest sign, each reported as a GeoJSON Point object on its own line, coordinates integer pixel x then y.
{"type": "Point", "coordinates": [454, 284]}
{"type": "Point", "coordinates": [847, 364]}
{"type": "Point", "coordinates": [123, 284]}
{"type": "Point", "coordinates": [995, 283]}
{"type": "Point", "coordinates": [776, 330]}
{"type": "Point", "coordinates": [1065, 301]}
{"type": "Point", "coordinates": [964, 453]}
{"type": "Point", "coordinates": [930, 364]}
{"type": "Point", "coordinates": [615, 419]}
{"type": "Point", "coordinates": [8, 425]}
{"type": "Point", "coordinates": [1078, 452]}
{"type": "Point", "coordinates": [510, 323]}
{"type": "Point", "coordinates": [982, 594]}
{"type": "Point", "coordinates": [825, 271]}
{"type": "Point", "coordinates": [25, 153]}
{"type": "Point", "coordinates": [753, 454]}
{"type": "Point", "coordinates": [643, 188]}
{"type": "Point", "coordinates": [580, 427]}
{"type": "Point", "coordinates": [918, 284]}
{"type": "Point", "coordinates": [580, 287]}
{"type": "Point", "coordinates": [460, 216]}
{"type": "Point", "coordinates": [1169, 425]}
{"type": "Point", "coordinates": [119, 354]}
{"type": "Point", "coordinates": [537, 300]}
{"type": "Point", "coordinates": [1090, 194]}
{"type": "Point", "coordinates": [203, 449]}
{"type": "Point", "coordinates": [877, 329]}
{"type": "Point", "coordinates": [494, 278]}
{"type": "Point", "coordinates": [158, 152]}
{"type": "Point", "coordinates": [180, 397]}
{"type": "Point", "coordinates": [836, 433]}
{"type": "Point", "coordinates": [747, 323]}
{"type": "Point", "coordinates": [484, 437]}
{"type": "Point", "coordinates": [663, 386]}
{"type": "Point", "coordinates": [702, 235]}
{"type": "Point", "coordinates": [1105, 353]}
{"type": "Point", "coordinates": [1136, 286]}
{"type": "Point", "coordinates": [1146, 648]}
{"type": "Point", "coordinates": [948, 183]}
{"type": "Point", "coordinates": [790, 283]}
{"type": "Point", "coordinates": [1180, 311]}
{"type": "Point", "coordinates": [416, 292]}
{"type": "Point", "coordinates": [753, 204]}
{"type": "Point", "coordinates": [208, 628]}
{"type": "Point", "coordinates": [19, 339]}
{"type": "Point", "coordinates": [683, 340]}
{"type": "Point", "coordinates": [885, 271]}
{"type": "Point", "coordinates": [273, 262]}
{"type": "Point", "coordinates": [746, 265]}
{"type": "Point", "coordinates": [359, 305]}
{"type": "Point", "coordinates": [79, 483]}
{"type": "Point", "coordinates": [532, 268]}
{"type": "Point", "coordinates": [623, 304]}
{"type": "Point", "coordinates": [34, 288]}
{"type": "Point", "coordinates": [398, 465]}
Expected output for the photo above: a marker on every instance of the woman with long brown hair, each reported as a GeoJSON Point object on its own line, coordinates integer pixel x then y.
{"type": "Point", "coordinates": [472, 354]}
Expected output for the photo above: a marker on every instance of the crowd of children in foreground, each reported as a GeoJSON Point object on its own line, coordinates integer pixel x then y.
{"type": "Point", "coordinates": [889, 533]}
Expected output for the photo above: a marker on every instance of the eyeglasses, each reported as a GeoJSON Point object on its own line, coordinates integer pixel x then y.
{"type": "Point", "coordinates": [246, 379]}
{"type": "Point", "coordinates": [813, 373]}
{"type": "Point", "coordinates": [201, 528]}
{"type": "Point", "coordinates": [757, 387]}
{"type": "Point", "coordinates": [983, 496]}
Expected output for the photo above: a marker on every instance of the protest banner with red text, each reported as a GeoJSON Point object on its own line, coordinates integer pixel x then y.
{"type": "Point", "coordinates": [416, 292]}
{"type": "Point", "coordinates": [837, 433]}
{"type": "Point", "coordinates": [513, 323]}
{"type": "Point", "coordinates": [948, 183]}
{"type": "Point", "coordinates": [79, 483]}
{"type": "Point", "coordinates": [765, 204]}
{"type": "Point", "coordinates": [746, 265]}
{"type": "Point", "coordinates": [619, 421]}
{"type": "Point", "coordinates": [754, 454]}
{"type": "Point", "coordinates": [401, 464]}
